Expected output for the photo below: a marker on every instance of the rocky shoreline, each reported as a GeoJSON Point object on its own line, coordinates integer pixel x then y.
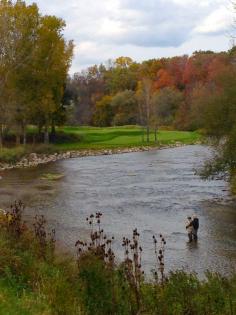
{"type": "Point", "coordinates": [34, 159]}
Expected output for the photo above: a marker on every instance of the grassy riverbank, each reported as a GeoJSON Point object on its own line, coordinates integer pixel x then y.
{"type": "Point", "coordinates": [34, 280]}
{"type": "Point", "coordinates": [233, 183]}
{"type": "Point", "coordinates": [81, 138]}
{"type": "Point", "coordinates": [127, 136]}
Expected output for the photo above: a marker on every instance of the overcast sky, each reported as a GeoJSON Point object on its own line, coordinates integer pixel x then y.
{"type": "Point", "coordinates": [141, 29]}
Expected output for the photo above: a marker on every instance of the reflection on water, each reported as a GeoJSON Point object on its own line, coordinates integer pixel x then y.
{"type": "Point", "coordinates": [154, 191]}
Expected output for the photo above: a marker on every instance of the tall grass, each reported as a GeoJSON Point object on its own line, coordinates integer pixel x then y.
{"type": "Point", "coordinates": [35, 280]}
{"type": "Point", "coordinates": [11, 155]}
{"type": "Point", "coordinates": [14, 154]}
{"type": "Point", "coordinates": [233, 182]}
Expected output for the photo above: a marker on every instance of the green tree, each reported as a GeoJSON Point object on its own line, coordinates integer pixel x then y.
{"type": "Point", "coordinates": [103, 114]}
{"type": "Point", "coordinates": [121, 76]}
{"type": "Point", "coordinates": [18, 34]}
{"type": "Point", "coordinates": [25, 24]}
{"type": "Point", "coordinates": [52, 61]}
{"type": "Point", "coordinates": [220, 123]}
{"type": "Point", "coordinates": [165, 103]}
{"type": "Point", "coordinates": [125, 108]}
{"type": "Point", "coordinates": [34, 61]}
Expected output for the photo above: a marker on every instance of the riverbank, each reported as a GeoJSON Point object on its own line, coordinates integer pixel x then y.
{"type": "Point", "coordinates": [34, 159]}
{"type": "Point", "coordinates": [154, 191]}
{"type": "Point", "coordinates": [35, 280]}
{"type": "Point", "coordinates": [233, 184]}
{"type": "Point", "coordinates": [85, 141]}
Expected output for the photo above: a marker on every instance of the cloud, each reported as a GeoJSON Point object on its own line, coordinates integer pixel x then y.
{"type": "Point", "coordinates": [103, 28]}
{"type": "Point", "coordinates": [150, 23]}
{"type": "Point", "coordinates": [219, 21]}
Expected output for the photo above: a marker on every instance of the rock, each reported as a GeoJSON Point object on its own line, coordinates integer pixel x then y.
{"type": "Point", "coordinates": [24, 161]}
{"type": "Point", "coordinates": [33, 157]}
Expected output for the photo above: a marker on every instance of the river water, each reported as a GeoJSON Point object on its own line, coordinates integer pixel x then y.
{"type": "Point", "coordinates": [152, 191]}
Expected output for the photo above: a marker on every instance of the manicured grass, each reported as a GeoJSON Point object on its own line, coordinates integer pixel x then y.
{"type": "Point", "coordinates": [79, 138]}
{"type": "Point", "coordinates": [127, 136]}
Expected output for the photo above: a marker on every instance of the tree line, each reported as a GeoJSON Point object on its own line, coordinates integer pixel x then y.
{"type": "Point", "coordinates": [34, 62]}
{"type": "Point", "coordinates": [183, 92]}
{"type": "Point", "coordinates": [196, 92]}
{"type": "Point", "coordinates": [157, 92]}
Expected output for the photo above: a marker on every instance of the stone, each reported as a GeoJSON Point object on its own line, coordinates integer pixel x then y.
{"type": "Point", "coordinates": [33, 156]}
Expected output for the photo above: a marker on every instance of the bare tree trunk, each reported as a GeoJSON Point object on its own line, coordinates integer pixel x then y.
{"type": "Point", "coordinates": [147, 92]}
{"type": "Point", "coordinates": [156, 130]}
{"type": "Point", "coordinates": [24, 136]}
{"type": "Point", "coordinates": [46, 134]}
{"type": "Point", "coordinates": [53, 131]}
{"type": "Point", "coordinates": [141, 121]}
{"type": "Point", "coordinates": [148, 133]}
{"type": "Point", "coordinates": [18, 132]}
{"type": "Point", "coordinates": [39, 129]}
{"type": "Point", "coordinates": [17, 139]}
{"type": "Point", "coordinates": [148, 118]}
{"type": "Point", "coordinates": [24, 133]}
{"type": "Point", "coordinates": [39, 135]}
{"type": "Point", "coordinates": [148, 121]}
{"type": "Point", "coordinates": [143, 133]}
{"type": "Point", "coordinates": [1, 137]}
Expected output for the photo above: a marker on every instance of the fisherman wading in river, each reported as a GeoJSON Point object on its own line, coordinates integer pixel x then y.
{"type": "Point", "coordinates": [189, 228]}
{"type": "Point", "coordinates": [195, 224]}
{"type": "Point", "coordinates": [192, 226]}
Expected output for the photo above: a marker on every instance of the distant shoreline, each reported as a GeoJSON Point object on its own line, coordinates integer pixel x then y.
{"type": "Point", "coordinates": [33, 159]}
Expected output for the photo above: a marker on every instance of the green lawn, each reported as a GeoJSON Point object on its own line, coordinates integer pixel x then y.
{"type": "Point", "coordinates": [79, 138]}
{"type": "Point", "coordinates": [127, 136]}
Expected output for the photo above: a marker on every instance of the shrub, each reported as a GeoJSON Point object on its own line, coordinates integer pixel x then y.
{"type": "Point", "coordinates": [12, 155]}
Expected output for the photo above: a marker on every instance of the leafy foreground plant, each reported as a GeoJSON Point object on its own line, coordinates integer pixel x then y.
{"type": "Point", "coordinates": [34, 280]}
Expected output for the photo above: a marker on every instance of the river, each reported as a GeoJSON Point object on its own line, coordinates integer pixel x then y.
{"type": "Point", "coordinates": [152, 191]}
